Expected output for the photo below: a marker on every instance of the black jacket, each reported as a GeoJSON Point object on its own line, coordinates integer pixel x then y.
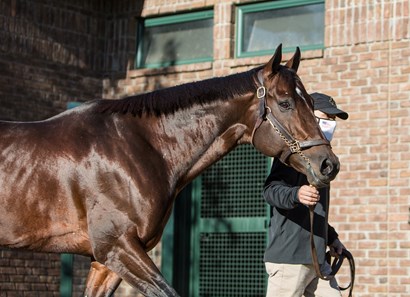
{"type": "Point", "coordinates": [289, 228]}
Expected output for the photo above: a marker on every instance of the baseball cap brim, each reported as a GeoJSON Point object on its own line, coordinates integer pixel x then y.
{"type": "Point", "coordinates": [335, 111]}
{"type": "Point", "coordinates": [326, 104]}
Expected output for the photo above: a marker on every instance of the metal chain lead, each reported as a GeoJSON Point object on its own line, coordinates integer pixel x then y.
{"type": "Point", "coordinates": [293, 146]}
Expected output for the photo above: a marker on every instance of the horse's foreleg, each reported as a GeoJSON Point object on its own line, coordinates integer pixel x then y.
{"type": "Point", "coordinates": [101, 282]}
{"type": "Point", "coordinates": [130, 261]}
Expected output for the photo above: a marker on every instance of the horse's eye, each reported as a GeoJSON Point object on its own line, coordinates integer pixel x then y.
{"type": "Point", "coordinates": [285, 105]}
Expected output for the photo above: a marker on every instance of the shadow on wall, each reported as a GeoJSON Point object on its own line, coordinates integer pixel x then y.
{"type": "Point", "coordinates": [154, 78]}
{"type": "Point", "coordinates": [168, 59]}
{"type": "Point", "coordinates": [55, 52]}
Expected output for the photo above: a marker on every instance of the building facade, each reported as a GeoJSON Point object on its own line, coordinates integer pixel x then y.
{"type": "Point", "coordinates": [53, 52]}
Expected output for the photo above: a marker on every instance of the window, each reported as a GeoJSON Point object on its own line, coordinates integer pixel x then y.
{"type": "Point", "coordinates": [263, 26]}
{"type": "Point", "coordinates": [175, 39]}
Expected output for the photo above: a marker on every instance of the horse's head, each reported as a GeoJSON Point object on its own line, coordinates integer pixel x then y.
{"type": "Point", "coordinates": [287, 127]}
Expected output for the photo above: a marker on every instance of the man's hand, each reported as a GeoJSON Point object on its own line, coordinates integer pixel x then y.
{"type": "Point", "coordinates": [308, 195]}
{"type": "Point", "coordinates": [336, 248]}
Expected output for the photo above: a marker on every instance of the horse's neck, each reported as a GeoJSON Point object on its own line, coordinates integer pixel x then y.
{"type": "Point", "coordinates": [218, 149]}
{"type": "Point", "coordinates": [206, 135]}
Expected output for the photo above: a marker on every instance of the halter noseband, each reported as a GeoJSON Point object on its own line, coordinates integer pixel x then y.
{"type": "Point", "coordinates": [294, 145]}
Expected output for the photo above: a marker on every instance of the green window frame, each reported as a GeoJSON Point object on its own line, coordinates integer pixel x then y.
{"type": "Point", "coordinates": [175, 39]}
{"type": "Point", "coordinates": [257, 40]}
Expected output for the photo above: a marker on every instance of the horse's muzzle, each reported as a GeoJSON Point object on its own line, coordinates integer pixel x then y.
{"type": "Point", "coordinates": [327, 172]}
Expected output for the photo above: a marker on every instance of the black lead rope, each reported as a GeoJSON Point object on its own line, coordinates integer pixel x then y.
{"type": "Point", "coordinates": [345, 255]}
{"type": "Point", "coordinates": [337, 262]}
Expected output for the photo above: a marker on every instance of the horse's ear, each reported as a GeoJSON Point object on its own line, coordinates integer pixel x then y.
{"type": "Point", "coordinates": [274, 62]}
{"type": "Point", "coordinates": [294, 61]}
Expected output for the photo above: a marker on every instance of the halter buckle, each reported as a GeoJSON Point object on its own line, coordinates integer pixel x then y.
{"type": "Point", "coordinates": [261, 92]}
{"type": "Point", "coordinates": [295, 147]}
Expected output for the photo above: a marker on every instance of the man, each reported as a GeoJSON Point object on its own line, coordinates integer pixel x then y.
{"type": "Point", "coordinates": [288, 259]}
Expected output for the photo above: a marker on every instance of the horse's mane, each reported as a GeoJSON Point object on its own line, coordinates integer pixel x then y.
{"type": "Point", "coordinates": [169, 100]}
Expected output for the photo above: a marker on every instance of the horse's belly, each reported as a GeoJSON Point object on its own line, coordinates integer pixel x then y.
{"type": "Point", "coordinates": [41, 224]}
{"type": "Point", "coordinates": [53, 238]}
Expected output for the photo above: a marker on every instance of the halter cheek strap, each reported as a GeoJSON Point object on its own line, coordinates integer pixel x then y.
{"type": "Point", "coordinates": [265, 113]}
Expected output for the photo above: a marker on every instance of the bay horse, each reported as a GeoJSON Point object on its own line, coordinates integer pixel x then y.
{"type": "Point", "coordinates": [100, 179]}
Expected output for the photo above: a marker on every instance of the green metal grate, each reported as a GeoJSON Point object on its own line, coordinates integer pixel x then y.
{"type": "Point", "coordinates": [232, 235]}
{"type": "Point", "coordinates": [232, 187]}
{"type": "Point", "coordinates": [231, 265]}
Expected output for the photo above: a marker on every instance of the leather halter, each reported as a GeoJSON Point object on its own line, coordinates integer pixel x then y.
{"type": "Point", "coordinates": [265, 113]}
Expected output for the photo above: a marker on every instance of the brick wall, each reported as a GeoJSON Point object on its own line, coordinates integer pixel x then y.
{"type": "Point", "coordinates": [51, 53]}
{"type": "Point", "coordinates": [29, 274]}
{"type": "Point", "coordinates": [365, 66]}
{"type": "Point", "coordinates": [370, 205]}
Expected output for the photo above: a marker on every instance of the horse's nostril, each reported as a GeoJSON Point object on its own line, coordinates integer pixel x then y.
{"type": "Point", "coordinates": [326, 167]}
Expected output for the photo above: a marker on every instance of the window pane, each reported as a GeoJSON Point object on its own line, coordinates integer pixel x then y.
{"type": "Point", "coordinates": [177, 43]}
{"type": "Point", "coordinates": [293, 26]}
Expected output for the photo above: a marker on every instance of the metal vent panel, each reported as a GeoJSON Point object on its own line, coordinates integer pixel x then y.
{"type": "Point", "coordinates": [232, 187]}
{"type": "Point", "coordinates": [231, 264]}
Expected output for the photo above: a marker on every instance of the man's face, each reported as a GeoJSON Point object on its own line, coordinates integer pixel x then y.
{"type": "Point", "coordinates": [321, 115]}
